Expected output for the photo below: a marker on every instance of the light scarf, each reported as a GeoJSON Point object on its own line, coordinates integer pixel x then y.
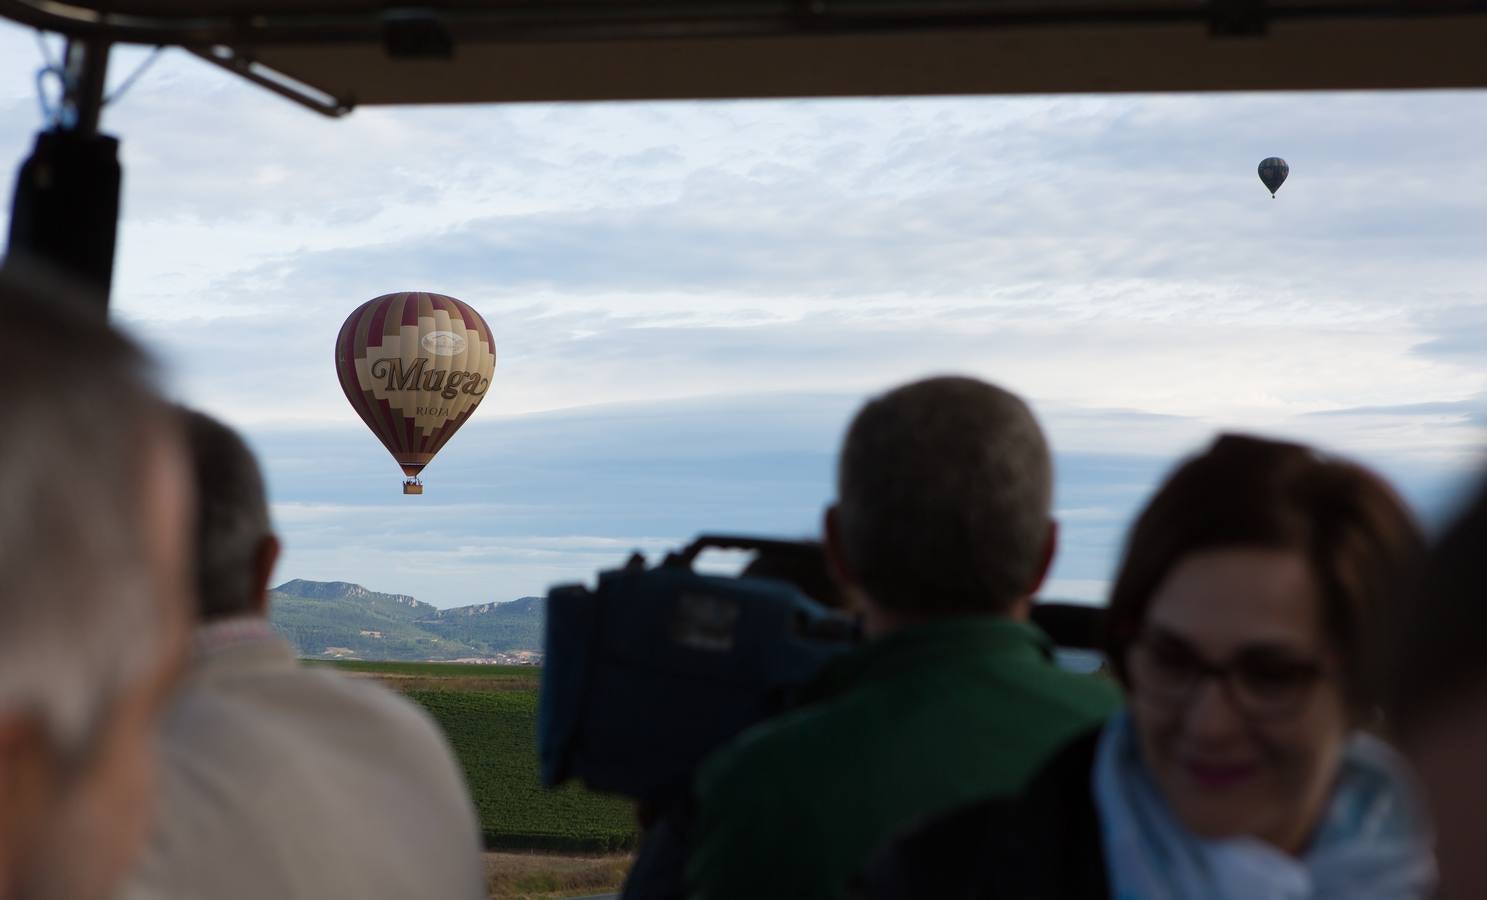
{"type": "Point", "coordinates": [1372, 844]}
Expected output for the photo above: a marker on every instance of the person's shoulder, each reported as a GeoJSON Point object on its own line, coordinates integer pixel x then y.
{"type": "Point", "coordinates": [1085, 696]}
{"type": "Point", "coordinates": [372, 702]}
{"type": "Point", "coordinates": [299, 705]}
{"type": "Point", "coordinates": [1068, 768]}
{"type": "Point", "coordinates": [941, 857]}
{"type": "Point", "coordinates": [762, 797]}
{"type": "Point", "coordinates": [1041, 842]}
{"type": "Point", "coordinates": [794, 745]}
{"type": "Point", "coordinates": [1096, 691]}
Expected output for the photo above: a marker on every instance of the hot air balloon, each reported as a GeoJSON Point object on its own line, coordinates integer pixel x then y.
{"type": "Point", "coordinates": [1273, 172]}
{"type": "Point", "coordinates": [415, 366]}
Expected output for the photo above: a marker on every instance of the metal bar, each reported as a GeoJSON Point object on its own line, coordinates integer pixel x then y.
{"type": "Point", "coordinates": [86, 67]}
{"type": "Point", "coordinates": [305, 95]}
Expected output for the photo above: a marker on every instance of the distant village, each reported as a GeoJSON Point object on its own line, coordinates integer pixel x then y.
{"type": "Point", "coordinates": [514, 658]}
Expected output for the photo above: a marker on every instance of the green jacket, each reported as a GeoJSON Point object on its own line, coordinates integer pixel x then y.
{"type": "Point", "coordinates": [916, 723]}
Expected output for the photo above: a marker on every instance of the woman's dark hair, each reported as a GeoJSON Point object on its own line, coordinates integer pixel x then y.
{"type": "Point", "coordinates": [1361, 541]}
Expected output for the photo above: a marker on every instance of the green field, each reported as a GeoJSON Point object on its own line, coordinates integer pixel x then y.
{"type": "Point", "coordinates": [494, 734]}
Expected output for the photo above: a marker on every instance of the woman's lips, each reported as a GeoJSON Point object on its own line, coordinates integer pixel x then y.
{"type": "Point", "coordinates": [1219, 776]}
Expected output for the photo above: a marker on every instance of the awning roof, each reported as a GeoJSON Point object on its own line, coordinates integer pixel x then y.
{"type": "Point", "coordinates": [471, 51]}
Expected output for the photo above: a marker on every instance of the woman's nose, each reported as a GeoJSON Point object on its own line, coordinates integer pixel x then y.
{"type": "Point", "coordinates": [1212, 714]}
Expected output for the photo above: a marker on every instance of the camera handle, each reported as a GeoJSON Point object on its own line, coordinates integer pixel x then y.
{"type": "Point", "coordinates": [688, 555]}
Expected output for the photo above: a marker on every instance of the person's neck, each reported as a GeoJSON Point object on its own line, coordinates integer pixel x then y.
{"type": "Point", "coordinates": [880, 622]}
{"type": "Point", "coordinates": [225, 631]}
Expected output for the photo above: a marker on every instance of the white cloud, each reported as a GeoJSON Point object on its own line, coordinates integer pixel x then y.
{"type": "Point", "coordinates": [690, 299]}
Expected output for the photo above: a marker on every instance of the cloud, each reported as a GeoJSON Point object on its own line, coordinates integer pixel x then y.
{"type": "Point", "coordinates": [1473, 411]}
{"type": "Point", "coordinates": [690, 299]}
{"type": "Point", "coordinates": [516, 503]}
{"type": "Point", "coordinates": [229, 186]}
{"type": "Point", "coordinates": [1455, 333]}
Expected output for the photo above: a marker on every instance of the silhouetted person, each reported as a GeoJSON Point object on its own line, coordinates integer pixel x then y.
{"type": "Point", "coordinates": [1439, 702]}
{"type": "Point", "coordinates": [282, 780]}
{"type": "Point", "coordinates": [1246, 623]}
{"type": "Point", "coordinates": [93, 624]}
{"type": "Point", "coordinates": [941, 532]}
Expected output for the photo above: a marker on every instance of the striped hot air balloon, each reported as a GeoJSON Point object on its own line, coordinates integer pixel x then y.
{"type": "Point", "coordinates": [414, 366]}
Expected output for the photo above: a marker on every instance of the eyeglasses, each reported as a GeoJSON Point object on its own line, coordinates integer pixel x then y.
{"type": "Point", "coordinates": [1262, 684]}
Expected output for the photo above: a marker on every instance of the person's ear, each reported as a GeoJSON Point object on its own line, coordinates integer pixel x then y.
{"type": "Point", "coordinates": [836, 556]}
{"type": "Point", "coordinates": [1045, 565]}
{"type": "Point", "coordinates": [30, 781]}
{"type": "Point", "coordinates": [263, 570]}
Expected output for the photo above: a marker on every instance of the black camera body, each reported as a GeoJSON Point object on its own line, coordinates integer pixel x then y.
{"type": "Point", "coordinates": [656, 667]}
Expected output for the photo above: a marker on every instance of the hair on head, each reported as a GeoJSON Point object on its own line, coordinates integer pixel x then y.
{"type": "Point", "coordinates": [232, 517]}
{"type": "Point", "coordinates": [1355, 533]}
{"type": "Point", "coordinates": [83, 427]}
{"type": "Point", "coordinates": [944, 492]}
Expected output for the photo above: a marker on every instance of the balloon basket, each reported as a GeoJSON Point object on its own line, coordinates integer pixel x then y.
{"type": "Point", "coordinates": [413, 486]}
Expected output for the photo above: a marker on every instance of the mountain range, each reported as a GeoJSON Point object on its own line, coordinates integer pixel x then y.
{"type": "Point", "coordinates": [336, 619]}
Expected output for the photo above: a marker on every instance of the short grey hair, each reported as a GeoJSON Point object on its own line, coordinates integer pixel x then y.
{"type": "Point", "coordinates": [80, 425]}
{"type": "Point", "coordinates": [232, 518]}
{"type": "Point", "coordinates": [944, 493]}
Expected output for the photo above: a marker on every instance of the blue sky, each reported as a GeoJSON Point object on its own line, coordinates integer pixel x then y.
{"type": "Point", "coordinates": [690, 300]}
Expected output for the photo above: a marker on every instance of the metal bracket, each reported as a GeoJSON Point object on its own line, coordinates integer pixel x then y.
{"type": "Point", "coordinates": [1237, 18]}
{"type": "Point", "coordinates": [416, 34]}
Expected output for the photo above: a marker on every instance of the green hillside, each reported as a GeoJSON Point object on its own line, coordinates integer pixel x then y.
{"type": "Point", "coordinates": [393, 606]}
{"type": "Point", "coordinates": [341, 620]}
{"type": "Point", "coordinates": [491, 627]}
{"type": "Point", "coordinates": [318, 628]}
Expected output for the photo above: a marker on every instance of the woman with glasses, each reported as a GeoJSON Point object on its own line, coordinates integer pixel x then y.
{"type": "Point", "coordinates": [1245, 625]}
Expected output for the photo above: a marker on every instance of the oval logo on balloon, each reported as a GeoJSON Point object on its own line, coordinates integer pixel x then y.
{"type": "Point", "coordinates": [415, 366]}
{"type": "Point", "coordinates": [443, 343]}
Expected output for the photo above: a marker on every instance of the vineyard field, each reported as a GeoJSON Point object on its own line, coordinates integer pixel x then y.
{"type": "Point", "coordinates": [494, 736]}
{"type": "Point", "coordinates": [489, 715]}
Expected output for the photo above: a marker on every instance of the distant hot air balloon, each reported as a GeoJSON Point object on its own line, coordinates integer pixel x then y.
{"type": "Point", "coordinates": [1273, 172]}
{"type": "Point", "coordinates": [415, 366]}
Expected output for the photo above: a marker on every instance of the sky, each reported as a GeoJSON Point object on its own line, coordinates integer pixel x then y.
{"type": "Point", "coordinates": [690, 300]}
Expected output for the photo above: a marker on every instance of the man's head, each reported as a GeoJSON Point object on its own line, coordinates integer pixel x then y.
{"type": "Point", "coordinates": [235, 544]}
{"type": "Point", "coordinates": [944, 489]}
{"type": "Point", "coordinates": [94, 546]}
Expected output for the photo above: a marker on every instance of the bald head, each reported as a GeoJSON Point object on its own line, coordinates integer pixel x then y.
{"type": "Point", "coordinates": [944, 491]}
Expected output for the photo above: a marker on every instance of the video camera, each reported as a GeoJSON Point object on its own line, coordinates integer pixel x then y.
{"type": "Point", "coordinates": [658, 666]}
{"type": "Point", "coordinates": [646, 674]}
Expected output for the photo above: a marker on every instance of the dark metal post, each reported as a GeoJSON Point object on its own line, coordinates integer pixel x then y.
{"type": "Point", "coordinates": [65, 215]}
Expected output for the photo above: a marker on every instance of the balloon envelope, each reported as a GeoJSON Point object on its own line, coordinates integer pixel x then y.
{"type": "Point", "coordinates": [1273, 172]}
{"type": "Point", "coordinates": [415, 366]}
